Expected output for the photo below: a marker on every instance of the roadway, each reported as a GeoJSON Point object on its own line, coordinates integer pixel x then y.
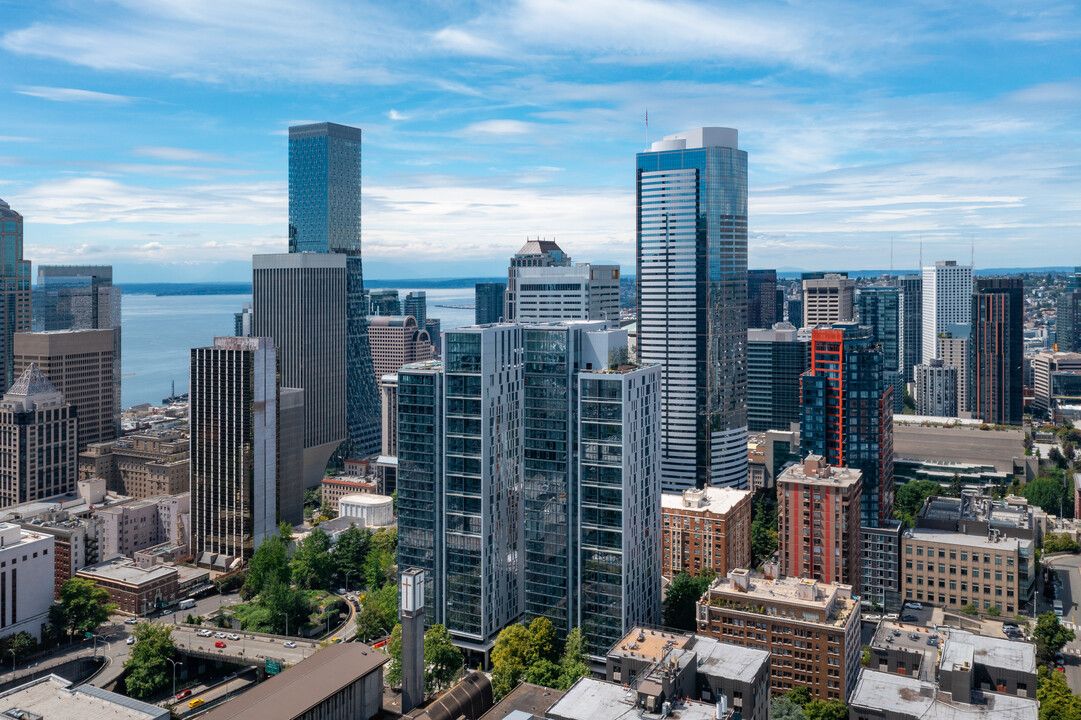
{"type": "Point", "coordinates": [1068, 569]}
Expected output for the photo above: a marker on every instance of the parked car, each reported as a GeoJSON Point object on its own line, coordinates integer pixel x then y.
{"type": "Point", "coordinates": [234, 636]}
{"type": "Point", "coordinates": [933, 640]}
{"type": "Point", "coordinates": [219, 644]}
{"type": "Point", "coordinates": [219, 635]}
{"type": "Point", "coordinates": [205, 633]}
{"type": "Point", "coordinates": [914, 605]}
{"type": "Point", "coordinates": [896, 633]}
{"type": "Point", "coordinates": [289, 644]}
{"type": "Point", "coordinates": [889, 638]}
{"type": "Point", "coordinates": [131, 621]}
{"type": "Point", "coordinates": [131, 639]}
{"type": "Point", "coordinates": [909, 618]}
{"type": "Point", "coordinates": [183, 694]}
{"type": "Point", "coordinates": [913, 636]}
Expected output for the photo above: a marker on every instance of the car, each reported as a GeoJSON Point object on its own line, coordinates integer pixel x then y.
{"type": "Point", "coordinates": [889, 638]}
{"type": "Point", "coordinates": [234, 636]}
{"type": "Point", "coordinates": [131, 621]}
{"type": "Point", "coordinates": [205, 633]}
{"type": "Point", "coordinates": [131, 639]}
{"type": "Point", "coordinates": [219, 644]}
{"type": "Point", "coordinates": [908, 618]}
{"type": "Point", "coordinates": [335, 641]}
{"type": "Point", "coordinates": [933, 640]}
{"type": "Point", "coordinates": [342, 591]}
{"type": "Point", "coordinates": [1006, 625]}
{"type": "Point", "coordinates": [896, 632]}
{"type": "Point", "coordinates": [1060, 669]}
{"type": "Point", "coordinates": [195, 703]}
{"type": "Point", "coordinates": [289, 644]}
{"type": "Point", "coordinates": [183, 694]}
{"type": "Point", "coordinates": [914, 605]}
{"type": "Point", "coordinates": [219, 635]}
{"type": "Point", "coordinates": [913, 636]}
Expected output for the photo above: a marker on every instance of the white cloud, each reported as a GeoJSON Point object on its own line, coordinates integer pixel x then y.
{"type": "Point", "coordinates": [500, 128]}
{"type": "Point", "coordinates": [177, 154]}
{"type": "Point", "coordinates": [17, 139]}
{"type": "Point", "coordinates": [73, 95]}
{"type": "Point", "coordinates": [395, 115]}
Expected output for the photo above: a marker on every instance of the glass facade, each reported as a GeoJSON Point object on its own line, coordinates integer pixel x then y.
{"type": "Point", "coordinates": [416, 304]}
{"type": "Point", "coordinates": [14, 289]}
{"type": "Point", "coordinates": [996, 351]}
{"type": "Point", "coordinates": [881, 309]}
{"type": "Point", "coordinates": [762, 298]}
{"type": "Point", "coordinates": [911, 324]}
{"type": "Point", "coordinates": [773, 382]}
{"type": "Point", "coordinates": [692, 308]}
{"type": "Point", "coordinates": [488, 301]}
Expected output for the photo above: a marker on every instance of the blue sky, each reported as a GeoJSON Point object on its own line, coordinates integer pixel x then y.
{"type": "Point", "coordinates": [151, 133]}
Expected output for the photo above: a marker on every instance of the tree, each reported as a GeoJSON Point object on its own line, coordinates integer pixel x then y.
{"type": "Point", "coordinates": [1060, 542]}
{"type": "Point", "coordinates": [1050, 637]}
{"type": "Point", "coordinates": [394, 649]}
{"type": "Point", "coordinates": [782, 708]}
{"type": "Point", "coordinates": [443, 662]}
{"type": "Point", "coordinates": [147, 672]}
{"type": "Point", "coordinates": [542, 642]}
{"type": "Point", "coordinates": [1057, 702]}
{"type": "Point", "coordinates": [955, 488]}
{"type": "Point", "coordinates": [1047, 491]}
{"type": "Point", "coordinates": [350, 552]}
{"type": "Point", "coordinates": [994, 611]}
{"type": "Point", "coordinates": [271, 559]}
{"type": "Point", "coordinates": [21, 643]}
{"type": "Point", "coordinates": [826, 710]}
{"type": "Point", "coordinates": [510, 659]}
{"type": "Point", "coordinates": [763, 526]}
{"type": "Point", "coordinates": [285, 531]}
{"type": "Point", "coordinates": [679, 601]}
{"type": "Point", "coordinates": [970, 609]}
{"type": "Point", "coordinates": [799, 695]}
{"type": "Point", "coordinates": [313, 567]}
{"type": "Point", "coordinates": [378, 613]}
{"type": "Point", "coordinates": [84, 606]}
{"type": "Point", "coordinates": [908, 499]}
{"type": "Point", "coordinates": [313, 498]}
{"type": "Point", "coordinates": [573, 665]}
{"type": "Point", "coordinates": [286, 607]}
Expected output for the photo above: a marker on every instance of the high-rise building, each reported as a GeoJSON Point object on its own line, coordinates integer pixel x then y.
{"type": "Point", "coordinates": [1068, 320]}
{"type": "Point", "coordinates": [761, 298]}
{"type": "Point", "coordinates": [384, 302]}
{"type": "Point", "coordinates": [828, 298]}
{"type": "Point", "coordinates": [818, 511]}
{"type": "Point", "coordinates": [692, 302]}
{"type": "Point", "coordinates": [396, 341]}
{"type": "Point", "coordinates": [489, 302]}
{"type": "Point", "coordinates": [80, 365]}
{"type": "Point", "coordinates": [1052, 371]}
{"type": "Point", "coordinates": [778, 308]}
{"type": "Point", "coordinates": [911, 324]}
{"type": "Point", "coordinates": [556, 293]}
{"type": "Point", "coordinates": [936, 389]}
{"type": "Point", "coordinates": [324, 217]}
{"type": "Point", "coordinates": [242, 321]}
{"type": "Point", "coordinates": [952, 349]}
{"type": "Point", "coordinates": [14, 289]}
{"type": "Point", "coordinates": [947, 300]}
{"type": "Point", "coordinates": [535, 253]}
{"type": "Point", "coordinates": [795, 313]}
{"type": "Point", "coordinates": [235, 470]}
{"type": "Point", "coordinates": [881, 308]}
{"type": "Point", "coordinates": [775, 361]}
{"type": "Point", "coordinates": [38, 436]}
{"type": "Point", "coordinates": [705, 529]}
{"type": "Point", "coordinates": [434, 334]}
{"type": "Point", "coordinates": [996, 351]}
{"type": "Point", "coordinates": [848, 413]}
{"type": "Point", "coordinates": [300, 302]}
{"type": "Point", "coordinates": [416, 304]}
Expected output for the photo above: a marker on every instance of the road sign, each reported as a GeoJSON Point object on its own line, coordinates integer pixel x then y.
{"type": "Point", "coordinates": [272, 667]}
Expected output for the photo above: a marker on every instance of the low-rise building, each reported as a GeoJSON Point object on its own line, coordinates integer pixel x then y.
{"type": "Point", "coordinates": [886, 696]}
{"type": "Point", "coordinates": [812, 629]}
{"type": "Point", "coordinates": [76, 542]}
{"type": "Point", "coordinates": [129, 528]}
{"type": "Point", "coordinates": [143, 465]}
{"type": "Point", "coordinates": [52, 697]}
{"type": "Point", "coordinates": [367, 510]}
{"type": "Point", "coordinates": [590, 699]}
{"type": "Point", "coordinates": [705, 529]}
{"type": "Point", "coordinates": [1056, 379]}
{"type": "Point", "coordinates": [975, 514]}
{"type": "Point", "coordinates": [26, 580]}
{"type": "Point", "coordinates": [975, 663]}
{"type": "Point", "coordinates": [136, 590]}
{"type": "Point", "coordinates": [337, 487]}
{"type": "Point", "coordinates": [922, 439]}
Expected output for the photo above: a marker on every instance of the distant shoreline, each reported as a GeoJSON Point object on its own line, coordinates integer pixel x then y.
{"type": "Point", "coordinates": [240, 288]}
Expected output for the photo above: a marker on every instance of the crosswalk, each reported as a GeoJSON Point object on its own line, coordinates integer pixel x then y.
{"type": "Point", "coordinates": [1069, 625]}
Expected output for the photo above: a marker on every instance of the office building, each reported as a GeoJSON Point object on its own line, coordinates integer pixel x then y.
{"type": "Point", "coordinates": [416, 304]}
{"type": "Point", "coordinates": [242, 321]}
{"type": "Point", "coordinates": [828, 299]}
{"type": "Point", "coordinates": [434, 334]}
{"type": "Point", "coordinates": [52, 696]}
{"type": "Point", "coordinates": [936, 389]}
{"type": "Point", "coordinates": [1057, 378]}
{"type": "Point", "coordinates": [880, 560]}
{"type": "Point", "coordinates": [300, 302]}
{"type": "Point", "coordinates": [881, 308]}
{"type": "Point", "coordinates": [952, 348]}
{"type": "Point", "coordinates": [848, 413]}
{"type": "Point", "coordinates": [952, 570]}
{"type": "Point", "coordinates": [705, 529]}
{"type": "Point", "coordinates": [26, 580]}
{"type": "Point", "coordinates": [996, 350]}
{"type": "Point", "coordinates": [81, 366]}
{"type": "Point", "coordinates": [795, 312]}
{"type": "Point", "coordinates": [981, 515]}
{"type": "Point", "coordinates": [489, 302]}
{"type": "Point", "coordinates": [556, 293]}
{"type": "Point", "coordinates": [126, 529]}
{"type": "Point", "coordinates": [692, 302]}
{"type": "Point", "coordinates": [396, 340]}
{"type": "Point", "coordinates": [534, 254]}
{"type": "Point", "coordinates": [775, 361]}
{"type": "Point", "coordinates": [818, 511]}
{"type": "Point", "coordinates": [142, 465]}
{"type": "Point", "coordinates": [749, 610]}
{"type": "Point", "coordinates": [911, 324]}
{"type": "Point", "coordinates": [75, 541]}
{"type": "Point", "coordinates": [778, 315]}
{"type": "Point", "coordinates": [137, 591]}
{"type": "Point", "coordinates": [387, 463]}
{"type": "Point", "coordinates": [234, 448]}
{"type": "Point", "coordinates": [762, 296]}
{"type": "Point", "coordinates": [947, 300]}
{"type": "Point", "coordinates": [1068, 314]}
{"type": "Point", "coordinates": [14, 289]}
{"type": "Point", "coordinates": [324, 217]}
{"type": "Point", "coordinates": [38, 441]}
{"type": "Point", "coordinates": [384, 302]}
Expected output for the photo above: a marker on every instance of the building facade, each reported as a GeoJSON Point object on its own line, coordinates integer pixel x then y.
{"type": "Point", "coordinates": [828, 299]}
{"type": "Point", "coordinates": [1068, 315]}
{"type": "Point", "coordinates": [126, 529]}
{"type": "Point", "coordinates": [489, 302]}
{"type": "Point", "coordinates": [26, 580]}
{"type": "Point", "coordinates": [142, 465]}
{"type": "Point", "coordinates": [953, 350]}
{"type": "Point", "coordinates": [947, 300]}
{"type": "Point", "coordinates": [775, 361]}
{"type": "Point", "coordinates": [534, 254]}
{"type": "Point", "coordinates": [38, 441]}
{"type": "Point", "coordinates": [996, 351]}
{"type": "Point", "coordinates": [81, 365]}
{"type": "Point", "coordinates": [555, 293]}
{"type": "Point", "coordinates": [762, 299]}
{"type": "Point", "coordinates": [705, 529]}
{"type": "Point", "coordinates": [137, 591]}
{"type": "Point", "coordinates": [882, 309]}
{"type": "Point", "coordinates": [396, 340]}
{"type": "Point", "coordinates": [14, 289]}
{"type": "Point", "coordinates": [936, 389]}
{"type": "Point", "coordinates": [692, 302]}
{"type": "Point", "coordinates": [416, 304]}
{"type": "Point", "coordinates": [911, 324]}
{"type": "Point", "coordinates": [1047, 368]}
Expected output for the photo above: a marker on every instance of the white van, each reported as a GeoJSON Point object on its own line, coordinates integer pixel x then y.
{"type": "Point", "coordinates": [186, 604]}
{"type": "Point", "coordinates": [1058, 608]}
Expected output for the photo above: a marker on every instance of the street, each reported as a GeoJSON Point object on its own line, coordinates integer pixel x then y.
{"type": "Point", "coordinates": [1068, 569]}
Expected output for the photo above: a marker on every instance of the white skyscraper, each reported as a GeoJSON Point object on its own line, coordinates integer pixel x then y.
{"type": "Point", "coordinates": [947, 300]}
{"type": "Point", "coordinates": [552, 294]}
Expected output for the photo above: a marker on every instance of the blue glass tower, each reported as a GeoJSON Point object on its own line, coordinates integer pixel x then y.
{"type": "Point", "coordinates": [324, 217]}
{"type": "Point", "coordinates": [882, 309]}
{"type": "Point", "coordinates": [692, 302]}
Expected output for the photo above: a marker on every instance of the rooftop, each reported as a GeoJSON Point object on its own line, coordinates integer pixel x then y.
{"type": "Point", "coordinates": [52, 697]}
{"type": "Point", "coordinates": [755, 590]}
{"type": "Point", "coordinates": [718, 500]}
{"type": "Point", "coordinates": [728, 661]}
{"type": "Point", "coordinates": [32, 382]}
{"type": "Point", "coordinates": [526, 698]}
{"type": "Point", "coordinates": [961, 647]}
{"type": "Point", "coordinates": [816, 471]}
{"type": "Point", "coordinates": [125, 571]}
{"type": "Point", "coordinates": [649, 644]}
{"type": "Point", "coordinates": [590, 699]}
{"type": "Point", "coordinates": [304, 685]}
{"type": "Point", "coordinates": [908, 696]}
{"type": "Point", "coordinates": [976, 541]}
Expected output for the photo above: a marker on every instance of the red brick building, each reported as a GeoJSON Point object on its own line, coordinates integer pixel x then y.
{"type": "Point", "coordinates": [136, 590]}
{"type": "Point", "coordinates": [705, 529]}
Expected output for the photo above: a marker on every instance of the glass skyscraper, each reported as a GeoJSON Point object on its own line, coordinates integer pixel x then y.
{"type": "Point", "coordinates": [15, 286]}
{"type": "Point", "coordinates": [881, 308]}
{"type": "Point", "coordinates": [911, 324]}
{"type": "Point", "coordinates": [488, 302]}
{"type": "Point", "coordinates": [692, 302]}
{"type": "Point", "coordinates": [324, 217]}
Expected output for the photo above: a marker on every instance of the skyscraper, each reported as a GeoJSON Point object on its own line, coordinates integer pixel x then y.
{"type": "Point", "coordinates": [911, 323]}
{"type": "Point", "coordinates": [761, 299]}
{"type": "Point", "coordinates": [535, 253]}
{"type": "Point", "coordinates": [14, 288]}
{"type": "Point", "coordinates": [299, 301]}
{"type": "Point", "coordinates": [692, 302]}
{"type": "Point", "coordinates": [416, 304]}
{"type": "Point", "coordinates": [324, 217]}
{"type": "Point", "coordinates": [881, 308]}
{"type": "Point", "coordinates": [952, 348]}
{"type": "Point", "coordinates": [396, 341]}
{"type": "Point", "coordinates": [1068, 321]}
{"type": "Point", "coordinates": [996, 351]}
{"type": "Point", "coordinates": [775, 361]}
{"type": "Point", "coordinates": [828, 298]}
{"type": "Point", "coordinates": [489, 302]}
{"type": "Point", "coordinates": [848, 413]}
{"type": "Point", "coordinates": [234, 448]}
{"type": "Point", "coordinates": [947, 300]}
{"type": "Point", "coordinates": [553, 294]}
{"type": "Point", "coordinates": [795, 312]}
{"type": "Point", "coordinates": [384, 302]}
{"type": "Point", "coordinates": [936, 389]}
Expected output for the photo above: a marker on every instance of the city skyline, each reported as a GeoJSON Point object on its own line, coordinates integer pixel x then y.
{"type": "Point", "coordinates": [487, 125]}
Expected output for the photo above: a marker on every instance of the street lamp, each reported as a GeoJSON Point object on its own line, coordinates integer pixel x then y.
{"type": "Point", "coordinates": [174, 664]}
{"type": "Point", "coordinates": [347, 574]}
{"type": "Point", "coordinates": [286, 621]}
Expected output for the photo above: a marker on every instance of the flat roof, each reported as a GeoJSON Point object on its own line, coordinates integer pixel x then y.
{"type": "Point", "coordinates": [911, 697]}
{"type": "Point", "coordinates": [650, 644]}
{"type": "Point", "coordinates": [366, 499]}
{"type": "Point", "coordinates": [982, 542]}
{"type": "Point", "coordinates": [962, 646]}
{"type": "Point", "coordinates": [728, 661]}
{"type": "Point", "coordinates": [304, 685]}
{"type": "Point", "coordinates": [788, 591]}
{"type": "Point", "coordinates": [526, 698]}
{"type": "Point", "coordinates": [52, 697]}
{"type": "Point", "coordinates": [718, 500]}
{"type": "Point", "coordinates": [590, 699]}
{"type": "Point", "coordinates": [126, 571]}
{"type": "Point", "coordinates": [828, 476]}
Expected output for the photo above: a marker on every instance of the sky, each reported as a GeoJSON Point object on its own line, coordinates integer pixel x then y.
{"type": "Point", "coordinates": [151, 134]}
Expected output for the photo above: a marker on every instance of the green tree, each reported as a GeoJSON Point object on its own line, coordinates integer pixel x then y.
{"type": "Point", "coordinates": [955, 488]}
{"type": "Point", "coordinates": [146, 670]}
{"type": "Point", "coordinates": [679, 600]}
{"type": "Point", "coordinates": [386, 540]}
{"type": "Point", "coordinates": [21, 643]}
{"type": "Point", "coordinates": [270, 560]}
{"type": "Point", "coordinates": [826, 710]}
{"type": "Point", "coordinates": [442, 661]}
{"type": "Point", "coordinates": [313, 566]}
{"type": "Point", "coordinates": [908, 499]}
{"type": "Point", "coordinates": [782, 708]}
{"type": "Point", "coordinates": [350, 552]}
{"type": "Point", "coordinates": [286, 608]}
{"type": "Point", "coordinates": [1057, 702]}
{"type": "Point", "coordinates": [994, 611]}
{"type": "Point", "coordinates": [1048, 492]}
{"type": "Point", "coordinates": [1060, 542]}
{"type": "Point", "coordinates": [510, 659]}
{"type": "Point", "coordinates": [394, 650]}
{"type": "Point", "coordinates": [970, 609]}
{"type": "Point", "coordinates": [543, 672]}
{"type": "Point", "coordinates": [285, 532]}
{"type": "Point", "coordinates": [1050, 637]}
{"type": "Point", "coordinates": [763, 526]}
{"type": "Point", "coordinates": [313, 498]}
{"type": "Point", "coordinates": [378, 567]}
{"type": "Point", "coordinates": [84, 606]}
{"type": "Point", "coordinates": [543, 644]}
{"type": "Point", "coordinates": [799, 695]}
{"type": "Point", "coordinates": [378, 613]}
{"type": "Point", "coordinates": [573, 664]}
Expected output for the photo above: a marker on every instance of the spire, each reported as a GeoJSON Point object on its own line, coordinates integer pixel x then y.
{"type": "Point", "coordinates": [32, 382]}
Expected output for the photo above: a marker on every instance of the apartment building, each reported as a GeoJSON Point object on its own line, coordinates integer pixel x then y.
{"type": "Point", "coordinates": [705, 529]}
{"type": "Point", "coordinates": [145, 465]}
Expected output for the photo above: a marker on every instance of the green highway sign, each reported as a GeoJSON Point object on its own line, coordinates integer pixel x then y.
{"type": "Point", "coordinates": [272, 667]}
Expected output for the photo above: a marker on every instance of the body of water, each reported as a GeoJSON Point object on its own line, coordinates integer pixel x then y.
{"type": "Point", "coordinates": [159, 332]}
